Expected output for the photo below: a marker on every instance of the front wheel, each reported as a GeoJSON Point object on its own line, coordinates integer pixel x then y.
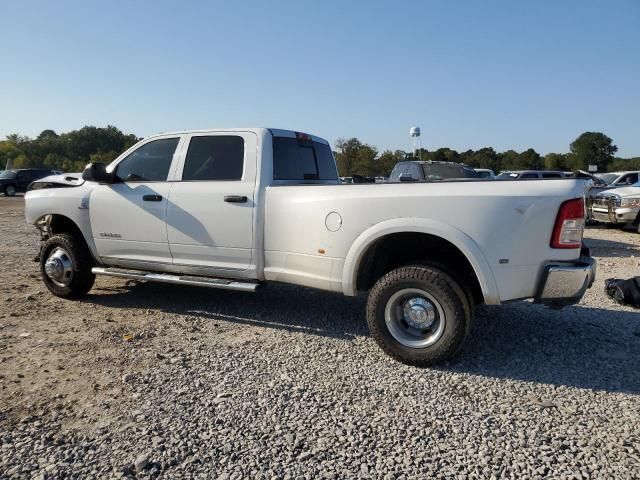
{"type": "Point", "coordinates": [418, 315]}
{"type": "Point", "coordinates": [10, 190]}
{"type": "Point", "coordinates": [65, 264]}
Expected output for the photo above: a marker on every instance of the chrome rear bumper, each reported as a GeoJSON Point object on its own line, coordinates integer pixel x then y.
{"type": "Point", "coordinates": [566, 283]}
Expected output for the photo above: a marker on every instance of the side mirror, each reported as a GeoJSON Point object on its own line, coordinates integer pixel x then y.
{"type": "Point", "coordinates": [97, 172]}
{"type": "Point", "coordinates": [405, 177]}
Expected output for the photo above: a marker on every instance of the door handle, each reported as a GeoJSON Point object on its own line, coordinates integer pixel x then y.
{"type": "Point", "coordinates": [235, 198]}
{"type": "Point", "coordinates": [152, 198]}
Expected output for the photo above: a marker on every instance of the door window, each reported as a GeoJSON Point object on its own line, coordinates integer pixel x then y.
{"type": "Point", "coordinates": [149, 163]}
{"type": "Point", "coordinates": [628, 179]}
{"type": "Point", "coordinates": [214, 158]}
{"type": "Point", "coordinates": [551, 175]}
{"type": "Point", "coordinates": [23, 177]}
{"type": "Point", "coordinates": [529, 175]}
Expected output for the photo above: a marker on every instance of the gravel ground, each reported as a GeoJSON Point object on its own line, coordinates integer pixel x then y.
{"type": "Point", "coordinates": [149, 380]}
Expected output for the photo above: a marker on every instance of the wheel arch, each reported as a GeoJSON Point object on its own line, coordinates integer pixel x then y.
{"type": "Point", "coordinates": [56, 223]}
{"type": "Point", "coordinates": [459, 240]}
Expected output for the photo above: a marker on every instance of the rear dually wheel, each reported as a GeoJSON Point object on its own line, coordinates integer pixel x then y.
{"type": "Point", "coordinates": [418, 315]}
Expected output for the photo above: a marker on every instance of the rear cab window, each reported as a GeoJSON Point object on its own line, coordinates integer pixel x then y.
{"type": "Point", "coordinates": [303, 159]}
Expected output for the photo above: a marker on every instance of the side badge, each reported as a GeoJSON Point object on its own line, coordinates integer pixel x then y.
{"type": "Point", "coordinates": [84, 204]}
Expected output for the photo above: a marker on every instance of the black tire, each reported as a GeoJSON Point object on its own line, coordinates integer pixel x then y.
{"type": "Point", "coordinates": [9, 191]}
{"type": "Point", "coordinates": [453, 302]}
{"type": "Point", "coordinates": [76, 251]}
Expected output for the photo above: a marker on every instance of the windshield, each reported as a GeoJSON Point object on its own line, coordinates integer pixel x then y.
{"type": "Point", "coordinates": [607, 177]}
{"type": "Point", "coordinates": [8, 174]}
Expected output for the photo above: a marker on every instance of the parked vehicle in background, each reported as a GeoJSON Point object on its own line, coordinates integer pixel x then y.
{"type": "Point", "coordinates": [430, 171]}
{"type": "Point", "coordinates": [14, 181]}
{"type": "Point", "coordinates": [605, 181]}
{"type": "Point", "coordinates": [618, 206]}
{"type": "Point", "coordinates": [237, 208]}
{"type": "Point", "coordinates": [485, 173]}
{"type": "Point", "coordinates": [530, 174]}
{"type": "Point", "coordinates": [619, 179]}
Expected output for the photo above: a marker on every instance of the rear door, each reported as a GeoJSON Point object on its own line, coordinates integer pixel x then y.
{"type": "Point", "coordinates": [211, 204]}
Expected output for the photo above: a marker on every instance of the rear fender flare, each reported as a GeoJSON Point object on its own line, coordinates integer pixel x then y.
{"type": "Point", "coordinates": [457, 237]}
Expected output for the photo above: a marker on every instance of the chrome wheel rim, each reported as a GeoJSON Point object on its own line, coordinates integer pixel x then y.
{"type": "Point", "coordinates": [59, 267]}
{"type": "Point", "coordinates": [414, 318]}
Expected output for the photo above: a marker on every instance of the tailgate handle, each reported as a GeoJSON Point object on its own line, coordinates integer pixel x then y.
{"type": "Point", "coordinates": [152, 198]}
{"type": "Point", "coordinates": [235, 198]}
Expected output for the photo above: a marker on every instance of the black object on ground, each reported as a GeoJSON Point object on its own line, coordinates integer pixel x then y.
{"type": "Point", "coordinates": [625, 292]}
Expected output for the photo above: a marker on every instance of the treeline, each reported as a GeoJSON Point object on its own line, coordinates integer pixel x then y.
{"type": "Point", "coordinates": [71, 151]}
{"type": "Point", "coordinates": [590, 148]}
{"type": "Point", "coordinates": [68, 152]}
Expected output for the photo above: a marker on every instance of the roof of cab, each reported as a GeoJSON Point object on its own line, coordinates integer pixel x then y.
{"type": "Point", "coordinates": [276, 132]}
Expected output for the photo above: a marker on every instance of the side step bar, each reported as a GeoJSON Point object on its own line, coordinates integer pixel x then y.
{"type": "Point", "coordinates": [222, 283]}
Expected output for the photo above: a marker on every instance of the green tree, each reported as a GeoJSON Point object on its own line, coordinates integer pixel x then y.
{"type": "Point", "coordinates": [9, 152]}
{"type": "Point", "coordinates": [47, 134]}
{"type": "Point", "coordinates": [592, 148]}
{"type": "Point", "coordinates": [22, 161]}
{"type": "Point", "coordinates": [531, 160]}
{"type": "Point", "coordinates": [483, 158]}
{"type": "Point", "coordinates": [354, 157]}
{"type": "Point", "coordinates": [556, 161]}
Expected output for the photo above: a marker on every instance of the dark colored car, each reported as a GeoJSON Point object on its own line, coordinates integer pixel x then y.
{"type": "Point", "coordinates": [13, 181]}
{"type": "Point", "coordinates": [429, 171]}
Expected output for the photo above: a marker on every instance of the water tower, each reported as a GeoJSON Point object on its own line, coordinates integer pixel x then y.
{"type": "Point", "coordinates": [414, 133]}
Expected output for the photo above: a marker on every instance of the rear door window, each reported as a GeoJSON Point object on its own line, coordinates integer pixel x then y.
{"type": "Point", "coordinates": [529, 175]}
{"type": "Point", "coordinates": [551, 175]}
{"type": "Point", "coordinates": [295, 159]}
{"type": "Point", "coordinates": [214, 157]}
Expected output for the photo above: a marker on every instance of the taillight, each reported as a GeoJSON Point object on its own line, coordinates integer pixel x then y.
{"type": "Point", "coordinates": [569, 227]}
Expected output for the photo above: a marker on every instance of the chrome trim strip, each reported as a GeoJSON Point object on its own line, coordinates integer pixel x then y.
{"type": "Point", "coordinates": [221, 283]}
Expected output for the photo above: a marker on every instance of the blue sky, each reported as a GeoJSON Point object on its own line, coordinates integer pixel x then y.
{"type": "Point", "coordinates": [507, 74]}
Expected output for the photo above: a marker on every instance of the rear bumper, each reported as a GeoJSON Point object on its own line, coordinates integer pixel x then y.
{"type": "Point", "coordinates": [566, 283]}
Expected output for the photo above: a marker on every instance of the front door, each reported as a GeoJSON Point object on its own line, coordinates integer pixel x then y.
{"type": "Point", "coordinates": [211, 204]}
{"type": "Point", "coordinates": [128, 217]}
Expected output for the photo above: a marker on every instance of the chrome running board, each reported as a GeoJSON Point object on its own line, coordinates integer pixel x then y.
{"type": "Point", "coordinates": [222, 283]}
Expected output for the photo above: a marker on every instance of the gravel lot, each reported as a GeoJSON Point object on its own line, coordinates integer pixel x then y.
{"type": "Point", "coordinates": [147, 380]}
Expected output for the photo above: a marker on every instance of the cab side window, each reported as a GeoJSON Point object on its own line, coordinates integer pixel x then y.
{"type": "Point", "coordinates": [149, 163]}
{"type": "Point", "coordinates": [23, 176]}
{"type": "Point", "coordinates": [214, 157]}
{"type": "Point", "coordinates": [628, 179]}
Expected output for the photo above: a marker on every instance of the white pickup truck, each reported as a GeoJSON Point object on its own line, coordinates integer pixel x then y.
{"type": "Point", "coordinates": [238, 208]}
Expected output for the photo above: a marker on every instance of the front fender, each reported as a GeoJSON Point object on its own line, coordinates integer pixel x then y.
{"type": "Point", "coordinates": [420, 225]}
{"type": "Point", "coordinates": [71, 203]}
